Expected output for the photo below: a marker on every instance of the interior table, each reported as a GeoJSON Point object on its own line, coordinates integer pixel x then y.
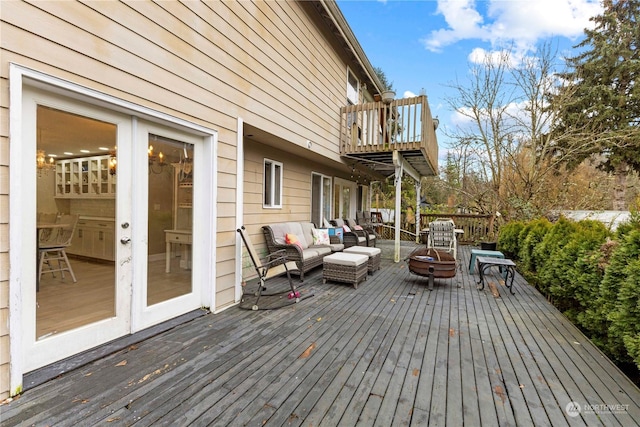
{"type": "Point", "coordinates": [182, 237]}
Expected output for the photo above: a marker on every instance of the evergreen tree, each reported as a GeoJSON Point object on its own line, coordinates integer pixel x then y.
{"type": "Point", "coordinates": [599, 104]}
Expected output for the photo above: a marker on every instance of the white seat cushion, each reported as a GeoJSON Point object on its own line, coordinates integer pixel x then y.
{"type": "Point", "coordinates": [363, 250]}
{"type": "Point", "coordinates": [342, 258]}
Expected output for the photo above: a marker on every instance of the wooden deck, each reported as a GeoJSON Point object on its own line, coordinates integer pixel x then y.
{"type": "Point", "coordinates": [389, 353]}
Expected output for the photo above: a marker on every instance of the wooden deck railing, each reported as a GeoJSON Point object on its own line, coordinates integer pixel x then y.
{"type": "Point", "coordinates": [475, 227]}
{"type": "Point", "coordinates": [403, 125]}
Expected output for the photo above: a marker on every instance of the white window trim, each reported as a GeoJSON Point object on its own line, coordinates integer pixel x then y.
{"type": "Point", "coordinates": [272, 188]}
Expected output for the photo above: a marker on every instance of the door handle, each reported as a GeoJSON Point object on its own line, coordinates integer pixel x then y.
{"type": "Point", "coordinates": [125, 240]}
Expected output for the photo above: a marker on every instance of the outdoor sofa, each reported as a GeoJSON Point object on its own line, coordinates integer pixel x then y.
{"type": "Point", "coordinates": [303, 242]}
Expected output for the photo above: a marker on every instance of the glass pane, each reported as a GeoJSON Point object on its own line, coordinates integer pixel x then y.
{"type": "Point", "coordinates": [346, 202]}
{"type": "Point", "coordinates": [170, 219]}
{"type": "Point", "coordinates": [316, 200]}
{"type": "Point", "coordinates": [75, 221]}
{"type": "Point", "coordinates": [267, 184]}
{"type": "Point", "coordinates": [277, 199]}
{"type": "Point", "coordinates": [326, 198]}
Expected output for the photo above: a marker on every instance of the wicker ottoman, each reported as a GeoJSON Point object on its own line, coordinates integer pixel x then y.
{"type": "Point", "coordinates": [347, 268]}
{"type": "Point", "coordinates": [372, 253]}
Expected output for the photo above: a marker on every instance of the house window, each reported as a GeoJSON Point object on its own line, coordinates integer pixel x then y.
{"type": "Point", "coordinates": [272, 184]}
{"type": "Point", "coordinates": [352, 88]}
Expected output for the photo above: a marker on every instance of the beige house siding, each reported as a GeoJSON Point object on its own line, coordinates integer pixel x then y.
{"type": "Point", "coordinates": [273, 64]}
{"type": "Point", "coordinates": [296, 193]}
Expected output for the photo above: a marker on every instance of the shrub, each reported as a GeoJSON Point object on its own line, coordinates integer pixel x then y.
{"type": "Point", "coordinates": [594, 280]}
{"type": "Point", "coordinates": [508, 240]}
{"type": "Point", "coordinates": [619, 298]}
{"type": "Point", "coordinates": [530, 236]}
{"type": "Point", "coordinates": [571, 269]}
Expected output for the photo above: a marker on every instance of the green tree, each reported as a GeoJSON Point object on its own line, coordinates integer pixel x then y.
{"type": "Point", "coordinates": [387, 85]}
{"type": "Point", "coordinates": [502, 143]}
{"type": "Point", "coordinates": [598, 106]}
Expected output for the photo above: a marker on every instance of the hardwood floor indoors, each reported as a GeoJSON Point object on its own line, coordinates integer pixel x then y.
{"type": "Point", "coordinates": [63, 305]}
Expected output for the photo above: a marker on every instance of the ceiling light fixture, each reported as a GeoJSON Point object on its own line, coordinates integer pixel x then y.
{"type": "Point", "coordinates": [156, 162]}
{"type": "Point", "coordinates": [42, 164]}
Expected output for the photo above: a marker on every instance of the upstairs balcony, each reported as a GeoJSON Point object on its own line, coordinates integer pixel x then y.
{"type": "Point", "coordinates": [371, 132]}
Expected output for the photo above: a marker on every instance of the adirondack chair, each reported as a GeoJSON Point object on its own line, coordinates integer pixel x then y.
{"type": "Point", "coordinates": [274, 265]}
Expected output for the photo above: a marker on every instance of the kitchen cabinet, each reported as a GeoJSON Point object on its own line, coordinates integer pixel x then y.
{"type": "Point", "coordinates": [84, 177]}
{"type": "Point", "coordinates": [181, 234]}
{"type": "Point", "coordinates": [94, 238]}
{"type": "Point", "coordinates": [182, 197]}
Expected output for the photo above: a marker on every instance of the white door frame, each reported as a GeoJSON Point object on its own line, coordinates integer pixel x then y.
{"type": "Point", "coordinates": [144, 316]}
{"type": "Point", "coordinates": [22, 234]}
{"type": "Point", "coordinates": [353, 194]}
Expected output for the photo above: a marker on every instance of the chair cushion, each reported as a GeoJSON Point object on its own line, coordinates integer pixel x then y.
{"type": "Point", "coordinates": [336, 247]}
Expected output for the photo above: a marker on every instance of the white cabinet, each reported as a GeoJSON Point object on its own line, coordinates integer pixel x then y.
{"type": "Point", "coordinates": [85, 177]}
{"type": "Point", "coordinates": [181, 235]}
{"type": "Point", "coordinates": [182, 197]}
{"type": "Point", "coordinates": [94, 238]}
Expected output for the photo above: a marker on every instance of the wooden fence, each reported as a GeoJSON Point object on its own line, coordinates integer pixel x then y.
{"type": "Point", "coordinates": [475, 227]}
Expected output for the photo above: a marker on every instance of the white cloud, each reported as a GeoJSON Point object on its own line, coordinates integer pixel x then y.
{"type": "Point", "coordinates": [409, 94]}
{"type": "Point", "coordinates": [522, 22]}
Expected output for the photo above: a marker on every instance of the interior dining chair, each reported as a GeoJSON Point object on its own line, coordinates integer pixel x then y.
{"type": "Point", "coordinates": [442, 236]}
{"type": "Point", "coordinates": [274, 265]}
{"type": "Point", "coordinates": [52, 244]}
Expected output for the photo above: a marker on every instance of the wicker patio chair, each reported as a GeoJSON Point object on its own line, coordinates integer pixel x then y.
{"type": "Point", "coordinates": [350, 238]}
{"type": "Point", "coordinates": [368, 233]}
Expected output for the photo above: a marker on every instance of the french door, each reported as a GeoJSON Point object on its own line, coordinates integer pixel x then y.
{"type": "Point", "coordinates": [320, 199]}
{"type": "Point", "coordinates": [344, 198]}
{"type": "Point", "coordinates": [130, 199]}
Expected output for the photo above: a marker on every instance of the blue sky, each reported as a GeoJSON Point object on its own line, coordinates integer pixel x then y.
{"type": "Point", "coordinates": [427, 44]}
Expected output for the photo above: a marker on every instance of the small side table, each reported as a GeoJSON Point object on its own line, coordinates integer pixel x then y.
{"type": "Point", "coordinates": [482, 252]}
{"type": "Point", "coordinates": [182, 237]}
{"type": "Point", "coordinates": [484, 263]}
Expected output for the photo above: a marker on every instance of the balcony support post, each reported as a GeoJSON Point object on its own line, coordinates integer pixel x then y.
{"type": "Point", "coordinates": [398, 212]}
{"type": "Point", "coordinates": [417, 211]}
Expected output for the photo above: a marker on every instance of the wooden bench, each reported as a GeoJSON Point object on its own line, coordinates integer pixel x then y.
{"type": "Point", "coordinates": [484, 263]}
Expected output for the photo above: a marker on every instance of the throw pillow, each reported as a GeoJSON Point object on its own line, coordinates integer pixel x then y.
{"type": "Point", "coordinates": [346, 228]}
{"type": "Point", "coordinates": [321, 236]}
{"type": "Point", "coordinates": [357, 227]}
{"type": "Point", "coordinates": [292, 239]}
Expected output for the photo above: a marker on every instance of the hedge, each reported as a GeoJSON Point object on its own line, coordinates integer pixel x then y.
{"type": "Point", "coordinates": [591, 274]}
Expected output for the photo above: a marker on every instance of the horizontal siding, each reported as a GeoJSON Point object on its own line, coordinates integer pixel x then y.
{"type": "Point", "coordinates": [268, 63]}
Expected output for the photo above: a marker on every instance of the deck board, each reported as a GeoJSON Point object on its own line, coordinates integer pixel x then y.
{"type": "Point", "coordinates": [389, 353]}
